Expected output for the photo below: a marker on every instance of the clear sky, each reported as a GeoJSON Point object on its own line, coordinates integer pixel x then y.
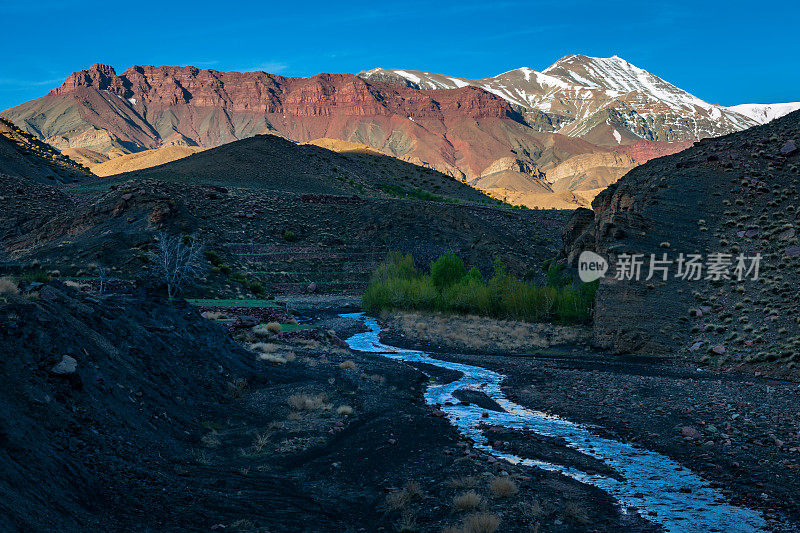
{"type": "Point", "coordinates": [723, 52]}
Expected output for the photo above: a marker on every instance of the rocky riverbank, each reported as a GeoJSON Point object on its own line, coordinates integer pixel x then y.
{"type": "Point", "coordinates": [741, 433]}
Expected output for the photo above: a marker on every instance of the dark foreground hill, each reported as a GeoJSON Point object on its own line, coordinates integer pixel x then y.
{"type": "Point", "coordinates": [91, 399]}
{"type": "Point", "coordinates": [731, 195]}
{"type": "Point", "coordinates": [130, 414]}
{"type": "Point", "coordinates": [279, 214]}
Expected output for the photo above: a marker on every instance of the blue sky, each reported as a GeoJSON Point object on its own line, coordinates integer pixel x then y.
{"type": "Point", "coordinates": [723, 52]}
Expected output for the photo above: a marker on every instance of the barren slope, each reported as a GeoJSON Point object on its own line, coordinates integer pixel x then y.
{"type": "Point", "coordinates": [22, 155]}
{"type": "Point", "coordinates": [142, 160]}
{"type": "Point", "coordinates": [731, 195]}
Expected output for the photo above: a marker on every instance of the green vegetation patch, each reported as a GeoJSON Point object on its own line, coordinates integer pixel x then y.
{"type": "Point", "coordinates": [296, 327]}
{"type": "Point", "coordinates": [413, 192]}
{"type": "Point", "coordinates": [450, 288]}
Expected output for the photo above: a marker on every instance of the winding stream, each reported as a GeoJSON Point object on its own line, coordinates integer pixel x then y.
{"type": "Point", "coordinates": [661, 489]}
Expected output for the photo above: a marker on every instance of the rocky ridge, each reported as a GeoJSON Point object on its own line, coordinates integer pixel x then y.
{"type": "Point", "coordinates": [731, 195]}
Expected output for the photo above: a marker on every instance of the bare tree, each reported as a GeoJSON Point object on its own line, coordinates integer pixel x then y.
{"type": "Point", "coordinates": [176, 260]}
{"type": "Point", "coordinates": [102, 276]}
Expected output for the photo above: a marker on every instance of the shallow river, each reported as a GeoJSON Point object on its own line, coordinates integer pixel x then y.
{"type": "Point", "coordinates": [660, 489]}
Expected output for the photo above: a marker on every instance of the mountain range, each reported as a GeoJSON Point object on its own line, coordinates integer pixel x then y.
{"type": "Point", "coordinates": [607, 101]}
{"type": "Point", "coordinates": [542, 139]}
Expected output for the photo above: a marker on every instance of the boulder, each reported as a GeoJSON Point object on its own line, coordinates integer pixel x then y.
{"type": "Point", "coordinates": [789, 148]}
{"type": "Point", "coordinates": [67, 365]}
{"type": "Point", "coordinates": [690, 432]}
{"type": "Point", "coordinates": [246, 321]}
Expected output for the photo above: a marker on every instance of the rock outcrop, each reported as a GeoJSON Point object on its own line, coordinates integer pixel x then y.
{"type": "Point", "coordinates": [731, 195]}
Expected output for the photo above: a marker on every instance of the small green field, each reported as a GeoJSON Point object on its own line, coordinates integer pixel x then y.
{"type": "Point", "coordinates": [296, 327]}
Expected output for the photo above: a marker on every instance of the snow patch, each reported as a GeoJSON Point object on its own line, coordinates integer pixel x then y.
{"type": "Point", "coordinates": [459, 82]}
{"type": "Point", "coordinates": [408, 76]}
{"type": "Point", "coordinates": [763, 113]}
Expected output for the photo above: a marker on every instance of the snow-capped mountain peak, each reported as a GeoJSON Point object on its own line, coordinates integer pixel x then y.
{"type": "Point", "coordinates": [616, 74]}
{"type": "Point", "coordinates": [583, 96]}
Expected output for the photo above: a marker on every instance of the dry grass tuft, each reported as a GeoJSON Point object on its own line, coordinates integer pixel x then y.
{"type": "Point", "coordinates": [311, 344]}
{"type": "Point", "coordinates": [8, 286]}
{"type": "Point", "coordinates": [503, 487]}
{"type": "Point", "coordinates": [75, 285]}
{"type": "Point", "coordinates": [212, 315]}
{"type": "Point", "coordinates": [481, 523]}
{"type": "Point", "coordinates": [261, 331]}
{"type": "Point", "coordinates": [243, 525]}
{"type": "Point", "coordinates": [532, 510]}
{"type": "Point", "coordinates": [466, 482]}
{"type": "Point", "coordinates": [265, 347]}
{"type": "Point", "coordinates": [408, 523]}
{"type": "Point", "coordinates": [573, 512]}
{"type": "Point", "coordinates": [305, 402]}
{"type": "Point", "coordinates": [272, 352]}
{"type": "Point", "coordinates": [348, 365]}
{"type": "Point", "coordinates": [238, 387]}
{"type": "Point", "coordinates": [274, 328]}
{"type": "Point", "coordinates": [413, 490]}
{"type": "Point", "coordinates": [467, 501]}
{"type": "Point", "coordinates": [211, 440]}
{"type": "Point", "coordinates": [409, 493]}
{"type": "Point", "coordinates": [344, 410]}
{"type": "Point", "coordinates": [287, 357]}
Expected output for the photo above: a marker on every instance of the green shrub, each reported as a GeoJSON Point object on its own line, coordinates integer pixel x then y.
{"type": "Point", "coordinates": [396, 266]}
{"type": "Point", "coordinates": [212, 257]}
{"type": "Point", "coordinates": [238, 277]}
{"type": "Point", "coordinates": [450, 288]}
{"type": "Point", "coordinates": [447, 270]}
{"type": "Point", "coordinates": [38, 277]}
{"type": "Point", "coordinates": [469, 296]}
{"type": "Point", "coordinates": [413, 192]}
{"type": "Point", "coordinates": [290, 236]}
{"type": "Point", "coordinates": [257, 288]}
{"type": "Point", "coordinates": [474, 274]}
{"type": "Point", "coordinates": [556, 276]}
